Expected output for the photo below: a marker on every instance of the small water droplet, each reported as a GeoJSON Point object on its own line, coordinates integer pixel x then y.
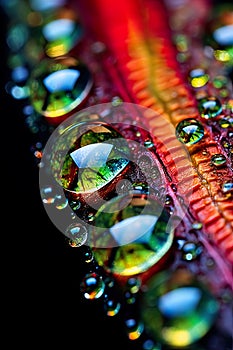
{"type": "Point", "coordinates": [77, 233]}
{"type": "Point", "coordinates": [189, 131]}
{"type": "Point", "coordinates": [60, 202]}
{"type": "Point", "coordinates": [133, 284]}
{"type": "Point", "coordinates": [148, 143]}
{"type": "Point", "coordinates": [227, 187]}
{"type": "Point", "coordinates": [218, 160]}
{"type": "Point", "coordinates": [140, 187]}
{"type": "Point", "coordinates": [111, 307]}
{"type": "Point", "coordinates": [92, 286]}
{"type": "Point", "coordinates": [226, 122]}
{"type": "Point", "coordinates": [197, 225]}
{"type": "Point", "coordinates": [116, 101]}
{"type": "Point", "coordinates": [48, 195]}
{"type": "Point", "coordinates": [209, 107]}
{"type": "Point", "coordinates": [191, 250]}
{"type": "Point", "coordinates": [133, 328]}
{"type": "Point", "coordinates": [198, 77]}
{"type": "Point", "coordinates": [129, 297]}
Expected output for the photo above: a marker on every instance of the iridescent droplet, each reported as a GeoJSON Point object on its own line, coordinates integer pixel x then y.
{"type": "Point", "coordinates": [61, 34]}
{"type": "Point", "coordinates": [111, 307]}
{"type": "Point", "coordinates": [96, 154]}
{"type": "Point", "coordinates": [48, 195]}
{"type": "Point", "coordinates": [177, 309]}
{"type": "Point", "coordinates": [227, 187]}
{"type": "Point", "coordinates": [130, 234]}
{"type": "Point", "coordinates": [197, 225]}
{"type": "Point", "coordinates": [77, 233]}
{"type": "Point", "coordinates": [60, 202]}
{"type": "Point", "coordinates": [198, 77]}
{"type": "Point", "coordinates": [133, 328]}
{"type": "Point", "coordinates": [209, 107]}
{"type": "Point", "coordinates": [57, 86]}
{"type": "Point", "coordinates": [133, 284]}
{"type": "Point", "coordinates": [92, 286]}
{"type": "Point", "coordinates": [189, 131]}
{"type": "Point", "coordinates": [191, 250]}
{"type": "Point", "coordinates": [226, 122]}
{"type": "Point", "coordinates": [148, 143]}
{"type": "Point", "coordinates": [140, 187]}
{"type": "Point", "coordinates": [218, 160]}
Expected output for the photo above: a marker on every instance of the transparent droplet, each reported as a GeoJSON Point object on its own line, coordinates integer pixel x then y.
{"type": "Point", "coordinates": [61, 34]}
{"type": "Point", "coordinates": [96, 154]}
{"type": "Point", "coordinates": [134, 328]}
{"type": "Point", "coordinates": [48, 195]}
{"type": "Point", "coordinates": [92, 286]}
{"type": "Point", "coordinates": [77, 233]}
{"type": "Point", "coordinates": [197, 225]}
{"type": "Point", "coordinates": [140, 187]}
{"type": "Point", "coordinates": [60, 202]}
{"type": "Point", "coordinates": [227, 187]}
{"type": "Point", "coordinates": [191, 250]}
{"type": "Point", "coordinates": [177, 309]}
{"type": "Point", "coordinates": [226, 122]}
{"type": "Point", "coordinates": [151, 345]}
{"type": "Point", "coordinates": [209, 107]}
{"type": "Point", "coordinates": [111, 307]}
{"type": "Point", "coordinates": [57, 86]}
{"type": "Point", "coordinates": [148, 143]}
{"type": "Point", "coordinates": [189, 131]}
{"type": "Point", "coordinates": [198, 77]}
{"type": "Point", "coordinates": [116, 101]}
{"type": "Point", "coordinates": [130, 234]}
{"type": "Point", "coordinates": [129, 297]}
{"type": "Point", "coordinates": [133, 284]}
{"type": "Point", "coordinates": [218, 160]}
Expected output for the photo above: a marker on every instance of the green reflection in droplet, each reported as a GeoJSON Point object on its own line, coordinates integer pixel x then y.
{"type": "Point", "coordinates": [189, 131]}
{"type": "Point", "coordinates": [57, 86]}
{"type": "Point", "coordinates": [177, 309]}
{"type": "Point", "coordinates": [130, 234]}
{"type": "Point", "coordinates": [209, 107]}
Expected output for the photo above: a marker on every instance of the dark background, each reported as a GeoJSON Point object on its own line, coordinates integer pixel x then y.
{"type": "Point", "coordinates": [42, 273]}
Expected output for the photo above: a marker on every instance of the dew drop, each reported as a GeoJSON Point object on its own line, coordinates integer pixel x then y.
{"type": "Point", "coordinates": [111, 307]}
{"type": "Point", "coordinates": [190, 251]}
{"type": "Point", "coordinates": [148, 143]}
{"type": "Point", "coordinates": [77, 233]}
{"type": "Point", "coordinates": [209, 107]}
{"type": "Point", "coordinates": [227, 187]}
{"type": "Point", "coordinates": [60, 202]}
{"type": "Point", "coordinates": [133, 328]}
{"type": "Point", "coordinates": [92, 286]}
{"type": "Point", "coordinates": [48, 195]}
{"type": "Point", "coordinates": [198, 77]}
{"type": "Point", "coordinates": [177, 309]}
{"type": "Point", "coordinates": [59, 85]}
{"type": "Point", "coordinates": [189, 131]}
{"type": "Point", "coordinates": [197, 225]}
{"type": "Point", "coordinates": [218, 160]}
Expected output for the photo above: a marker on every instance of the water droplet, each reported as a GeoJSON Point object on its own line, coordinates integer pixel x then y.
{"type": "Point", "coordinates": [220, 81]}
{"type": "Point", "coordinates": [177, 309]}
{"type": "Point", "coordinates": [111, 307]}
{"type": "Point", "coordinates": [96, 155]}
{"type": "Point", "coordinates": [226, 122]}
{"type": "Point", "coordinates": [209, 107]}
{"type": "Point", "coordinates": [218, 160]}
{"type": "Point", "coordinates": [129, 297]}
{"type": "Point", "coordinates": [227, 187]}
{"type": "Point", "coordinates": [92, 286]}
{"type": "Point", "coordinates": [148, 143]}
{"type": "Point", "coordinates": [48, 195]}
{"type": "Point", "coordinates": [133, 284]}
{"type": "Point", "coordinates": [140, 187]}
{"type": "Point", "coordinates": [116, 101]}
{"type": "Point", "coordinates": [151, 345]}
{"type": "Point", "coordinates": [60, 202]}
{"type": "Point", "coordinates": [191, 250]}
{"type": "Point", "coordinates": [189, 131]}
{"type": "Point", "coordinates": [133, 328]}
{"type": "Point", "coordinates": [77, 233]}
{"type": "Point", "coordinates": [130, 234]}
{"type": "Point", "coordinates": [61, 33]}
{"type": "Point", "coordinates": [197, 225]}
{"type": "Point", "coordinates": [198, 77]}
{"type": "Point", "coordinates": [59, 85]}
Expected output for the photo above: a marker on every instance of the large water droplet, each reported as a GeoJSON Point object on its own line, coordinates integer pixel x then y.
{"type": "Point", "coordinates": [130, 234]}
{"type": "Point", "coordinates": [96, 154]}
{"type": "Point", "coordinates": [209, 107]}
{"type": "Point", "coordinates": [189, 131]}
{"type": "Point", "coordinates": [58, 86]}
{"type": "Point", "coordinates": [177, 309]}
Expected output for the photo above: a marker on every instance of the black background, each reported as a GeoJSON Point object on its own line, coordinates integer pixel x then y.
{"type": "Point", "coordinates": [42, 304]}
